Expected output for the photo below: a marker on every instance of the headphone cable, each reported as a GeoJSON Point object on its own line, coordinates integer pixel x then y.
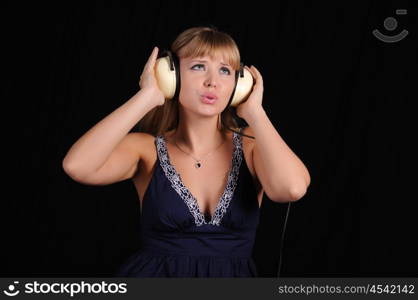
{"type": "Point", "coordinates": [281, 243]}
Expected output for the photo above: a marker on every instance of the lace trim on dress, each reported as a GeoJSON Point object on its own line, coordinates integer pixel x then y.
{"type": "Point", "coordinates": [185, 194]}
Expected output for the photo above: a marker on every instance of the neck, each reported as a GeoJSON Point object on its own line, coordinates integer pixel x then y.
{"type": "Point", "coordinates": [199, 136]}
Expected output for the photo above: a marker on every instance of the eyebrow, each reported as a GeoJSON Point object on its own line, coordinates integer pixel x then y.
{"type": "Point", "coordinates": [203, 61]}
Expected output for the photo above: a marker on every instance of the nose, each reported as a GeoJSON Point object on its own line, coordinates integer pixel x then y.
{"type": "Point", "coordinates": [211, 80]}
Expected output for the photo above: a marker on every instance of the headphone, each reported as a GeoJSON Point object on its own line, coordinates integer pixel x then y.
{"type": "Point", "coordinates": [167, 73]}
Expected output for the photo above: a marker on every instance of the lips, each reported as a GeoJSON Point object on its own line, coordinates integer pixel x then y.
{"type": "Point", "coordinates": [208, 100]}
{"type": "Point", "coordinates": [210, 96]}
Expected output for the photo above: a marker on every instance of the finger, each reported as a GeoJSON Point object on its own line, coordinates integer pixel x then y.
{"type": "Point", "coordinates": [259, 77]}
{"type": "Point", "coordinates": [251, 71]}
{"type": "Point", "coordinates": [154, 58]}
{"type": "Point", "coordinates": [256, 70]}
{"type": "Point", "coordinates": [151, 60]}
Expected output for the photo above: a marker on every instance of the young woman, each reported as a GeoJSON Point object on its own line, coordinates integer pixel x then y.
{"type": "Point", "coordinates": [200, 179]}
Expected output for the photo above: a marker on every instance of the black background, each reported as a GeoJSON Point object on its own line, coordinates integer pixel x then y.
{"type": "Point", "coordinates": [338, 96]}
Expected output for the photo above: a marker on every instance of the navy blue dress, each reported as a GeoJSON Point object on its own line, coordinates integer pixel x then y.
{"type": "Point", "coordinates": [179, 241]}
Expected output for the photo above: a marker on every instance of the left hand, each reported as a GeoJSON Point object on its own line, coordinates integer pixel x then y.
{"type": "Point", "coordinates": [253, 102]}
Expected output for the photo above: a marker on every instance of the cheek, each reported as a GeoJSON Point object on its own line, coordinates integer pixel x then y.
{"type": "Point", "coordinates": [186, 85]}
{"type": "Point", "coordinates": [230, 85]}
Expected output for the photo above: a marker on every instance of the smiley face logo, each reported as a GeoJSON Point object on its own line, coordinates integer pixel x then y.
{"type": "Point", "coordinates": [391, 24]}
{"type": "Point", "coordinates": [12, 290]}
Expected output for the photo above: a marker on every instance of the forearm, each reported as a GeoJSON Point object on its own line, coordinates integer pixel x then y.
{"type": "Point", "coordinates": [282, 171]}
{"type": "Point", "coordinates": [91, 151]}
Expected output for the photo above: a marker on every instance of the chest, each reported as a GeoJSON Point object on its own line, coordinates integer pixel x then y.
{"type": "Point", "coordinates": [207, 183]}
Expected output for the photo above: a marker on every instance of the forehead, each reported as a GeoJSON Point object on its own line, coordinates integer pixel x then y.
{"type": "Point", "coordinates": [207, 58]}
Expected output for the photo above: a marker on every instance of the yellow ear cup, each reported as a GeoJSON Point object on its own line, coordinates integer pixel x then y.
{"type": "Point", "coordinates": [243, 88]}
{"type": "Point", "coordinates": [166, 78]}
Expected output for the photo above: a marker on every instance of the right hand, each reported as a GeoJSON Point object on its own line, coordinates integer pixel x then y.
{"type": "Point", "coordinates": [149, 82]}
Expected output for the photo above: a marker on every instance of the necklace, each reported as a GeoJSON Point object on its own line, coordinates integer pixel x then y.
{"type": "Point", "coordinates": [198, 163]}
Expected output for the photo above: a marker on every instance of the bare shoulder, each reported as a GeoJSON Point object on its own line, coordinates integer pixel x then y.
{"type": "Point", "coordinates": [142, 136]}
{"type": "Point", "coordinates": [143, 142]}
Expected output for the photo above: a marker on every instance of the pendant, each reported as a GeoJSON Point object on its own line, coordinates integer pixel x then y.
{"type": "Point", "coordinates": [197, 165]}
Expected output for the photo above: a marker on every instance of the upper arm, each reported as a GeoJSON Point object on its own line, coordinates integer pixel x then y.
{"type": "Point", "coordinates": [262, 176]}
{"type": "Point", "coordinates": [123, 162]}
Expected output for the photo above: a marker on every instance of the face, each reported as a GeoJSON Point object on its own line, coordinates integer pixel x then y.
{"type": "Point", "coordinates": [205, 76]}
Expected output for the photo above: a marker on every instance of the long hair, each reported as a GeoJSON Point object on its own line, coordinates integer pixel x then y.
{"type": "Point", "coordinates": [194, 42]}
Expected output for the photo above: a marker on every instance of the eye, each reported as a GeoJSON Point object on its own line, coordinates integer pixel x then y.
{"type": "Point", "coordinates": [198, 65]}
{"type": "Point", "coordinates": [227, 70]}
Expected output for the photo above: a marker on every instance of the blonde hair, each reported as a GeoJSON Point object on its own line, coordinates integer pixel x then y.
{"type": "Point", "coordinates": [194, 42]}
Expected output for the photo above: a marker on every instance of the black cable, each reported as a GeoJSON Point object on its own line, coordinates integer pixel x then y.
{"type": "Point", "coordinates": [281, 243]}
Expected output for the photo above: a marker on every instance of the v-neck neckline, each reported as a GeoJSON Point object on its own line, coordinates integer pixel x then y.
{"type": "Point", "coordinates": [184, 192]}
